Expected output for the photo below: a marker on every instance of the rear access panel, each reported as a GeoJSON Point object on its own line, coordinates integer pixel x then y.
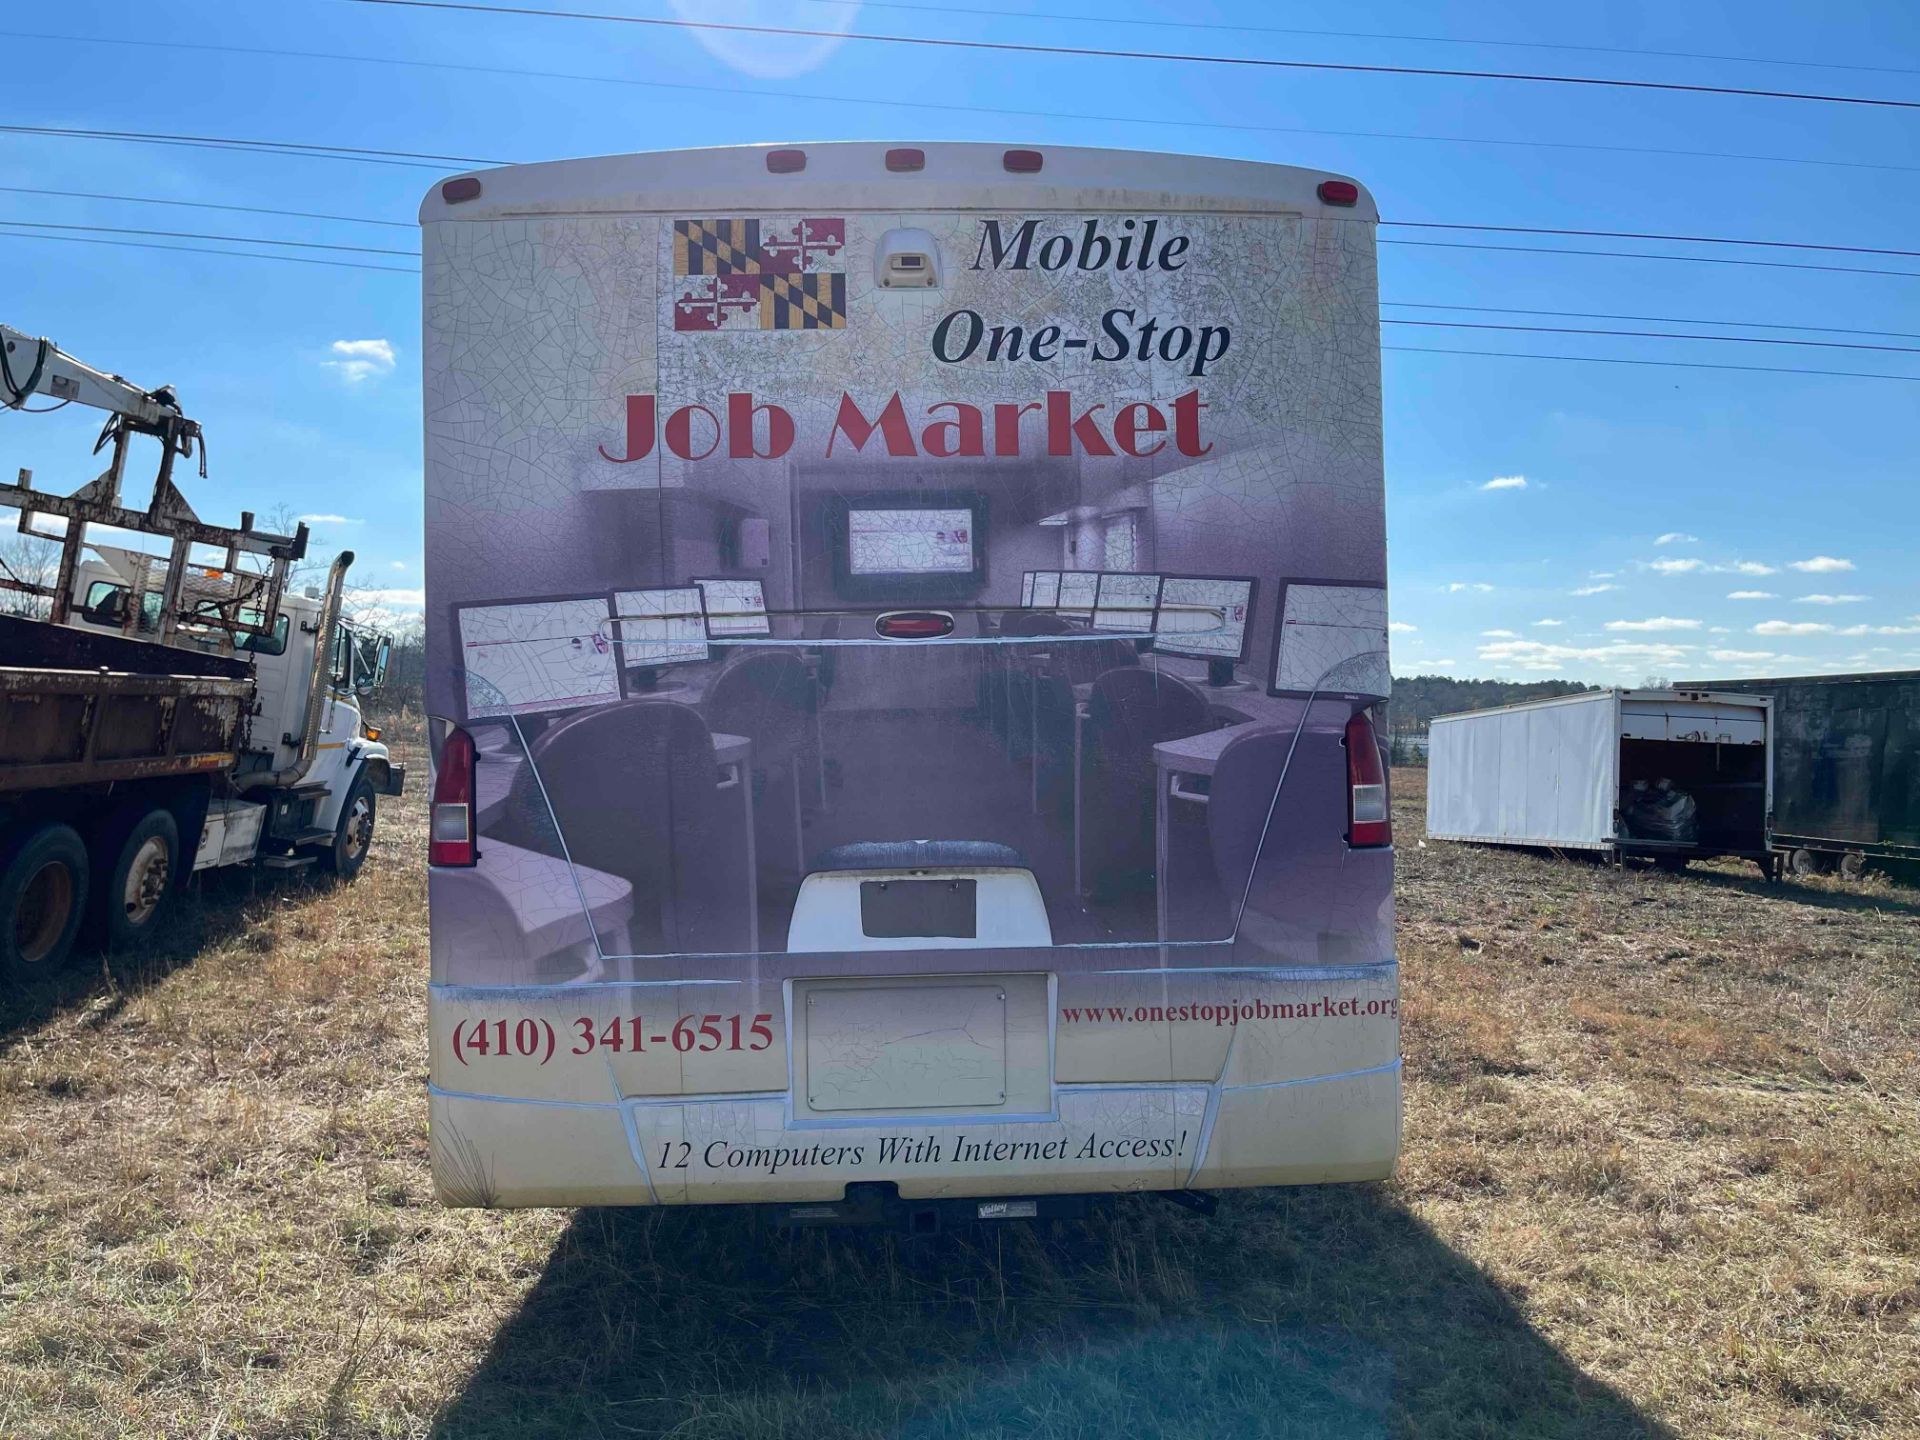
{"type": "Point", "coordinates": [921, 1045]}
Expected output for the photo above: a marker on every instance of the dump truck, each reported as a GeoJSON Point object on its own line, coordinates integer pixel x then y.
{"type": "Point", "coordinates": [163, 714]}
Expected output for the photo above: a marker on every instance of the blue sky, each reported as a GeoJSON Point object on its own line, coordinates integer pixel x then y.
{"type": "Point", "coordinates": [1651, 496]}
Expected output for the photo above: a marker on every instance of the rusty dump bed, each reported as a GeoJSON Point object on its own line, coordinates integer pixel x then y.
{"type": "Point", "coordinates": [79, 708]}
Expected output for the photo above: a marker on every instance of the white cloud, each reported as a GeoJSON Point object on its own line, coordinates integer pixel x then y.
{"type": "Point", "coordinates": [1549, 622]}
{"type": "Point", "coordinates": [1718, 630]}
{"type": "Point", "coordinates": [358, 360]}
{"type": "Point", "coordinates": [1832, 599]}
{"type": "Point", "coordinates": [1595, 589]}
{"type": "Point", "coordinates": [1506, 482]}
{"type": "Point", "coordinates": [1401, 627]}
{"type": "Point", "coordinates": [1792, 627]}
{"type": "Point", "coordinates": [1748, 567]}
{"type": "Point", "coordinates": [1741, 654]}
{"type": "Point", "coordinates": [1455, 587]}
{"type": "Point", "coordinates": [1677, 567]}
{"type": "Point", "coordinates": [1602, 574]}
{"type": "Point", "coordinates": [1751, 595]}
{"type": "Point", "coordinates": [1500, 634]}
{"type": "Point", "coordinates": [397, 565]}
{"type": "Point", "coordinates": [1821, 565]}
{"type": "Point", "coordinates": [1658, 622]}
{"type": "Point", "coordinates": [1676, 537]}
{"type": "Point", "coordinates": [1880, 630]}
{"type": "Point", "coordinates": [330, 520]}
{"type": "Point", "coordinates": [1536, 655]}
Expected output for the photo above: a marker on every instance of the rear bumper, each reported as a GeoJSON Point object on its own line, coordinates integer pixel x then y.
{"type": "Point", "coordinates": [1309, 1096]}
{"type": "Point", "coordinates": [490, 1151]}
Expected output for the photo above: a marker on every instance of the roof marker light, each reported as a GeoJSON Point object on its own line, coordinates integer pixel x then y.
{"type": "Point", "coordinates": [906, 158]}
{"type": "Point", "coordinates": [1022, 162]}
{"type": "Point", "coordinates": [786, 162]}
{"type": "Point", "coordinates": [1339, 192]}
{"type": "Point", "coordinates": [464, 188]}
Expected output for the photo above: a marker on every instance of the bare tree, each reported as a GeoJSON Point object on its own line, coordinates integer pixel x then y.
{"type": "Point", "coordinates": [29, 560]}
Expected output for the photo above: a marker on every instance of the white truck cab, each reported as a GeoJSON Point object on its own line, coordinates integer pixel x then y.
{"type": "Point", "coordinates": [344, 747]}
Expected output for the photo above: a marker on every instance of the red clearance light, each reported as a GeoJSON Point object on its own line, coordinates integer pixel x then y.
{"type": "Point", "coordinates": [786, 162]}
{"type": "Point", "coordinates": [450, 817]}
{"type": "Point", "coordinates": [465, 188]}
{"type": "Point", "coordinates": [914, 625]}
{"type": "Point", "coordinates": [1369, 822]}
{"type": "Point", "coordinates": [906, 159]}
{"type": "Point", "coordinates": [1339, 192]}
{"type": "Point", "coordinates": [1022, 162]}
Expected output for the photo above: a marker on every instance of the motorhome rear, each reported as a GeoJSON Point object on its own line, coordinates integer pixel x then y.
{"type": "Point", "coordinates": [905, 625]}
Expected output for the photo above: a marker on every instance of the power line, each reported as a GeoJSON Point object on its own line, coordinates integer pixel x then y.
{"type": "Point", "coordinates": [1644, 319]}
{"type": "Point", "coordinates": [1397, 224]}
{"type": "Point", "coordinates": [26, 234]}
{"type": "Point", "coordinates": [1641, 255]}
{"type": "Point", "coordinates": [1639, 235]}
{"type": "Point", "coordinates": [1429, 244]}
{"type": "Point", "coordinates": [1386, 304]}
{"type": "Point", "coordinates": [207, 205]}
{"type": "Point", "coordinates": [1363, 35]}
{"type": "Point", "coordinates": [414, 159]}
{"type": "Point", "coordinates": [1650, 335]}
{"type": "Point", "coordinates": [201, 250]}
{"type": "Point", "coordinates": [1091, 52]}
{"type": "Point", "coordinates": [1656, 364]}
{"type": "Point", "coordinates": [1155, 121]}
{"type": "Point", "coordinates": [195, 235]}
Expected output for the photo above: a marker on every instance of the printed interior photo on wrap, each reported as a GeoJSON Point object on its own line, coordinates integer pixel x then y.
{"type": "Point", "coordinates": [888, 606]}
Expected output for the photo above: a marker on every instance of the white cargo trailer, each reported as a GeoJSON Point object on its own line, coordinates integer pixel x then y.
{"type": "Point", "coordinates": [1574, 772]}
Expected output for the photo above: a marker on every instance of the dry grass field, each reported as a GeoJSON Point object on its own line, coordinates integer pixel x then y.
{"type": "Point", "coordinates": [1662, 1177]}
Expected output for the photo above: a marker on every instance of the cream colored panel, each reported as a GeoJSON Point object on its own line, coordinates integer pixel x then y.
{"type": "Point", "coordinates": [1104, 1140]}
{"type": "Point", "coordinates": [906, 1047]}
{"type": "Point", "coordinates": [923, 1043]}
{"type": "Point", "coordinates": [489, 1152]}
{"type": "Point", "coordinates": [1345, 1128]}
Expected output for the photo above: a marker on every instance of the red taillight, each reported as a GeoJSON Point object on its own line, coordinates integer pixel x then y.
{"type": "Point", "coordinates": [906, 158]}
{"type": "Point", "coordinates": [914, 625]}
{"type": "Point", "coordinates": [1022, 162]}
{"type": "Point", "coordinates": [786, 162]}
{"type": "Point", "coordinates": [450, 819]}
{"type": "Point", "coordinates": [1339, 192]}
{"type": "Point", "coordinates": [464, 188]}
{"type": "Point", "coordinates": [1368, 822]}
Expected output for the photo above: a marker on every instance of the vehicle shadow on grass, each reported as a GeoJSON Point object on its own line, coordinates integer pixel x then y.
{"type": "Point", "coordinates": [216, 908]}
{"type": "Point", "coordinates": [1319, 1313]}
{"type": "Point", "coordinates": [1895, 898]}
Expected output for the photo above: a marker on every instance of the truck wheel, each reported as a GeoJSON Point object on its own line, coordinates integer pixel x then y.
{"type": "Point", "coordinates": [43, 897]}
{"type": "Point", "coordinates": [1807, 862]}
{"type": "Point", "coordinates": [353, 836]}
{"type": "Point", "coordinates": [1853, 865]}
{"type": "Point", "coordinates": [139, 888]}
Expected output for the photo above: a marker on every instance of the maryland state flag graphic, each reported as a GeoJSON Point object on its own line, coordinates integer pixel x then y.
{"type": "Point", "coordinates": [759, 274]}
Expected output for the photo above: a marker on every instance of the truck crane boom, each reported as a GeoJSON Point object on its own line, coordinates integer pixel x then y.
{"type": "Point", "coordinates": [31, 366]}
